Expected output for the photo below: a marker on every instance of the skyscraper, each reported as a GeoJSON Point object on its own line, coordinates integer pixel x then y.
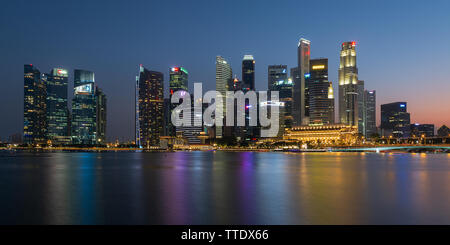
{"type": "Point", "coordinates": [149, 107]}
{"type": "Point", "coordinates": [361, 107]}
{"type": "Point", "coordinates": [57, 110]}
{"type": "Point", "coordinates": [320, 102]}
{"type": "Point", "coordinates": [348, 80]}
{"type": "Point", "coordinates": [34, 106]}
{"type": "Point", "coordinates": [178, 81]}
{"type": "Point", "coordinates": [248, 72]}
{"type": "Point", "coordinates": [395, 120]}
{"type": "Point", "coordinates": [278, 81]}
{"type": "Point", "coordinates": [370, 114]}
{"type": "Point", "coordinates": [275, 74]}
{"type": "Point", "coordinates": [248, 84]}
{"type": "Point", "coordinates": [84, 109]}
{"type": "Point", "coordinates": [101, 100]}
{"type": "Point", "coordinates": [223, 78]}
{"type": "Point", "coordinates": [299, 98]}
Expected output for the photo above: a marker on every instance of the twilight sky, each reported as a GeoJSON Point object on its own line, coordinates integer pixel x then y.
{"type": "Point", "coordinates": [403, 47]}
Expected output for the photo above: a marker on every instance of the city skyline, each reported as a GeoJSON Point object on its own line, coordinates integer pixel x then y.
{"type": "Point", "coordinates": [116, 79]}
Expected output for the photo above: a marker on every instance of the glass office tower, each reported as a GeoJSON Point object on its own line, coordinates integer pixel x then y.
{"type": "Point", "coordinates": [320, 103]}
{"type": "Point", "coordinates": [34, 106]}
{"type": "Point", "coordinates": [149, 107]}
{"type": "Point", "coordinates": [84, 113]}
{"type": "Point", "coordinates": [57, 110]}
{"type": "Point", "coordinates": [348, 80]}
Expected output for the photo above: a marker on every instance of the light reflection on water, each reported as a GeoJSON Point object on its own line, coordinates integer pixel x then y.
{"type": "Point", "coordinates": [224, 188]}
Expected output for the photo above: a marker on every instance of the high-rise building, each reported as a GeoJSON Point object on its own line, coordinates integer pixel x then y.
{"type": "Point", "coordinates": [57, 110]}
{"type": "Point", "coordinates": [250, 133]}
{"type": "Point", "coordinates": [101, 100]}
{"type": "Point", "coordinates": [34, 106]}
{"type": "Point", "coordinates": [275, 75]}
{"type": "Point", "coordinates": [178, 81]}
{"type": "Point", "coordinates": [223, 80]}
{"type": "Point", "coordinates": [278, 81]}
{"type": "Point", "coordinates": [299, 96]}
{"type": "Point", "coordinates": [84, 109]}
{"type": "Point", "coordinates": [370, 113]}
{"type": "Point", "coordinates": [248, 72]}
{"type": "Point", "coordinates": [348, 81]}
{"type": "Point", "coordinates": [149, 107]}
{"type": "Point", "coordinates": [419, 130]}
{"type": "Point", "coordinates": [395, 120]}
{"type": "Point", "coordinates": [361, 107]}
{"type": "Point", "coordinates": [320, 101]}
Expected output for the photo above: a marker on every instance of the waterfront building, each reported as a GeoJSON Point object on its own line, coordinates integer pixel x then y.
{"type": "Point", "coordinates": [361, 107]}
{"type": "Point", "coordinates": [84, 109]}
{"type": "Point", "coordinates": [223, 82]}
{"type": "Point", "coordinates": [395, 120]}
{"type": "Point", "coordinates": [249, 133]}
{"type": "Point", "coordinates": [299, 96]}
{"type": "Point", "coordinates": [101, 101]}
{"type": "Point", "coordinates": [320, 102]}
{"type": "Point", "coordinates": [323, 134]}
{"type": "Point", "coordinates": [34, 106]}
{"type": "Point", "coordinates": [178, 81]}
{"type": "Point", "coordinates": [370, 113]}
{"type": "Point", "coordinates": [422, 130]}
{"type": "Point", "coordinates": [149, 107]}
{"type": "Point", "coordinates": [57, 110]}
{"type": "Point", "coordinates": [348, 81]}
{"type": "Point", "coordinates": [444, 131]}
{"type": "Point", "coordinates": [278, 81]}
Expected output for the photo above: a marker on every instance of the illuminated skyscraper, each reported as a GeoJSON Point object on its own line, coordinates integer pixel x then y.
{"type": "Point", "coordinates": [250, 133]}
{"type": "Point", "coordinates": [223, 81]}
{"type": "Point", "coordinates": [84, 113]}
{"type": "Point", "coordinates": [299, 97]}
{"type": "Point", "coordinates": [361, 107]}
{"type": "Point", "coordinates": [101, 100]}
{"type": "Point", "coordinates": [248, 72]}
{"type": "Point", "coordinates": [57, 111]}
{"type": "Point", "coordinates": [320, 103]}
{"type": "Point", "coordinates": [278, 81]}
{"type": "Point", "coordinates": [370, 114]}
{"type": "Point", "coordinates": [149, 107]}
{"type": "Point", "coordinates": [395, 120]}
{"type": "Point", "coordinates": [34, 113]}
{"type": "Point", "coordinates": [348, 81]}
{"type": "Point", "coordinates": [178, 81]}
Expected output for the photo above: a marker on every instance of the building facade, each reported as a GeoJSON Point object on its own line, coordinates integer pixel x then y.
{"type": "Point", "coordinates": [320, 102]}
{"type": "Point", "coordinates": [299, 96]}
{"type": "Point", "coordinates": [361, 107]}
{"type": "Point", "coordinates": [149, 107]}
{"type": "Point", "coordinates": [84, 109]}
{"type": "Point", "coordinates": [101, 110]}
{"type": "Point", "coordinates": [34, 106]}
{"type": "Point", "coordinates": [395, 120]}
{"type": "Point", "coordinates": [348, 81]}
{"type": "Point", "coordinates": [57, 111]}
{"type": "Point", "coordinates": [422, 130]}
{"type": "Point", "coordinates": [370, 113]}
{"type": "Point", "coordinates": [223, 81]}
{"type": "Point", "coordinates": [323, 134]}
{"type": "Point", "coordinates": [178, 81]}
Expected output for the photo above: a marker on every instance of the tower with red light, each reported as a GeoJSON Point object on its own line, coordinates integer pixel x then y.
{"type": "Point", "coordinates": [348, 81]}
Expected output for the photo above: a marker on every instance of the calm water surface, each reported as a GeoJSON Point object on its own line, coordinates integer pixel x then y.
{"type": "Point", "coordinates": [224, 188]}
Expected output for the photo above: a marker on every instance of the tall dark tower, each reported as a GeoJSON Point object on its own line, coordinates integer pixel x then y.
{"type": "Point", "coordinates": [248, 73]}
{"type": "Point", "coordinates": [348, 85]}
{"type": "Point", "coordinates": [149, 107]}
{"type": "Point", "coordinates": [320, 98]}
{"type": "Point", "coordinates": [34, 106]}
{"type": "Point", "coordinates": [57, 110]}
{"type": "Point", "coordinates": [299, 100]}
{"type": "Point", "coordinates": [84, 114]}
{"type": "Point", "coordinates": [178, 80]}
